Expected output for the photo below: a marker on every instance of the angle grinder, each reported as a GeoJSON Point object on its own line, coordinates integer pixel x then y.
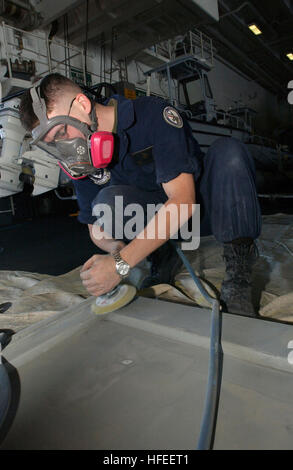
{"type": "Point", "coordinates": [118, 297]}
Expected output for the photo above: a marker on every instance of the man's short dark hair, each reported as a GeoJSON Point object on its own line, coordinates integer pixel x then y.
{"type": "Point", "coordinates": [51, 87]}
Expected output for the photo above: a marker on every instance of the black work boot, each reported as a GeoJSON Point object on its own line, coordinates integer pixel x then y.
{"type": "Point", "coordinates": [165, 264]}
{"type": "Point", "coordinates": [240, 256]}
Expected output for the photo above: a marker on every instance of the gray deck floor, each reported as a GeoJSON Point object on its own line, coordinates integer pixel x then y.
{"type": "Point", "coordinates": [136, 378]}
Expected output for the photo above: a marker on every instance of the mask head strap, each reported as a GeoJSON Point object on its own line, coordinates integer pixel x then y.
{"type": "Point", "coordinates": [93, 115]}
{"type": "Point", "coordinates": [38, 103]}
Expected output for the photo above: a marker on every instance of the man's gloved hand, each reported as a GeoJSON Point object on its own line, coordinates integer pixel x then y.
{"type": "Point", "coordinates": [99, 275]}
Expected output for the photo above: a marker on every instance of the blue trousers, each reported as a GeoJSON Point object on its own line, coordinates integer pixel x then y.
{"type": "Point", "coordinates": [226, 193]}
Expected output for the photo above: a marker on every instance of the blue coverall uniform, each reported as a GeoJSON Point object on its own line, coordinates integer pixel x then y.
{"type": "Point", "coordinates": [151, 151]}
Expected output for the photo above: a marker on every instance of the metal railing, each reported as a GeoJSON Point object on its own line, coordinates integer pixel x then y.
{"type": "Point", "coordinates": [19, 45]}
{"type": "Point", "coordinates": [227, 119]}
{"type": "Point", "coordinates": [48, 55]}
{"type": "Point", "coordinates": [224, 119]}
{"type": "Point", "coordinates": [198, 44]}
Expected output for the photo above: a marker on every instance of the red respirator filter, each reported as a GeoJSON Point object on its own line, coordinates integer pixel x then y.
{"type": "Point", "coordinates": [102, 147]}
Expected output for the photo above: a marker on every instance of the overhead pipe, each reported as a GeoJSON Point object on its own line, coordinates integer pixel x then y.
{"type": "Point", "coordinates": [252, 7]}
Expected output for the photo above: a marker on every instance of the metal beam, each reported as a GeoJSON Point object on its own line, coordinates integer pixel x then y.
{"type": "Point", "coordinates": [243, 23]}
{"type": "Point", "coordinates": [210, 7]}
{"type": "Point", "coordinates": [56, 9]}
{"type": "Point", "coordinates": [135, 45]}
{"type": "Point", "coordinates": [106, 22]}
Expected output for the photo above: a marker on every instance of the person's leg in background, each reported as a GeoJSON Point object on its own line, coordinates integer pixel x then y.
{"type": "Point", "coordinates": [229, 198]}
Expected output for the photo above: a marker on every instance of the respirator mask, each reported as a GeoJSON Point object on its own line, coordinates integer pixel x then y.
{"type": "Point", "coordinates": [80, 149]}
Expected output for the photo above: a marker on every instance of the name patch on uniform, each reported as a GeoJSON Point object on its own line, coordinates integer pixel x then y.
{"type": "Point", "coordinates": [143, 157]}
{"type": "Point", "coordinates": [172, 117]}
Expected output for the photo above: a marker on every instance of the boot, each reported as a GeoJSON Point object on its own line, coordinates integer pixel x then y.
{"type": "Point", "coordinates": [240, 256]}
{"type": "Point", "coordinates": [165, 264]}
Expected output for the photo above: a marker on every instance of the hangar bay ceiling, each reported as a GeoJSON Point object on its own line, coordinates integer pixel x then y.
{"type": "Point", "coordinates": [128, 26]}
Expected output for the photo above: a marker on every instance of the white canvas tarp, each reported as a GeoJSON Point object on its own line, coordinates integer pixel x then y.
{"type": "Point", "coordinates": [36, 296]}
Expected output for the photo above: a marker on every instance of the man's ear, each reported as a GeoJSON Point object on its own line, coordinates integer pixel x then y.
{"type": "Point", "coordinates": [83, 101]}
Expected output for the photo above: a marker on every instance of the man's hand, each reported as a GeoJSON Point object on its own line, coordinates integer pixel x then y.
{"type": "Point", "coordinates": [99, 275]}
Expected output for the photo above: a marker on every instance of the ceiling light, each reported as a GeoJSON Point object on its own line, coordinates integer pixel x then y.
{"type": "Point", "coordinates": [290, 55]}
{"type": "Point", "coordinates": [254, 29]}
